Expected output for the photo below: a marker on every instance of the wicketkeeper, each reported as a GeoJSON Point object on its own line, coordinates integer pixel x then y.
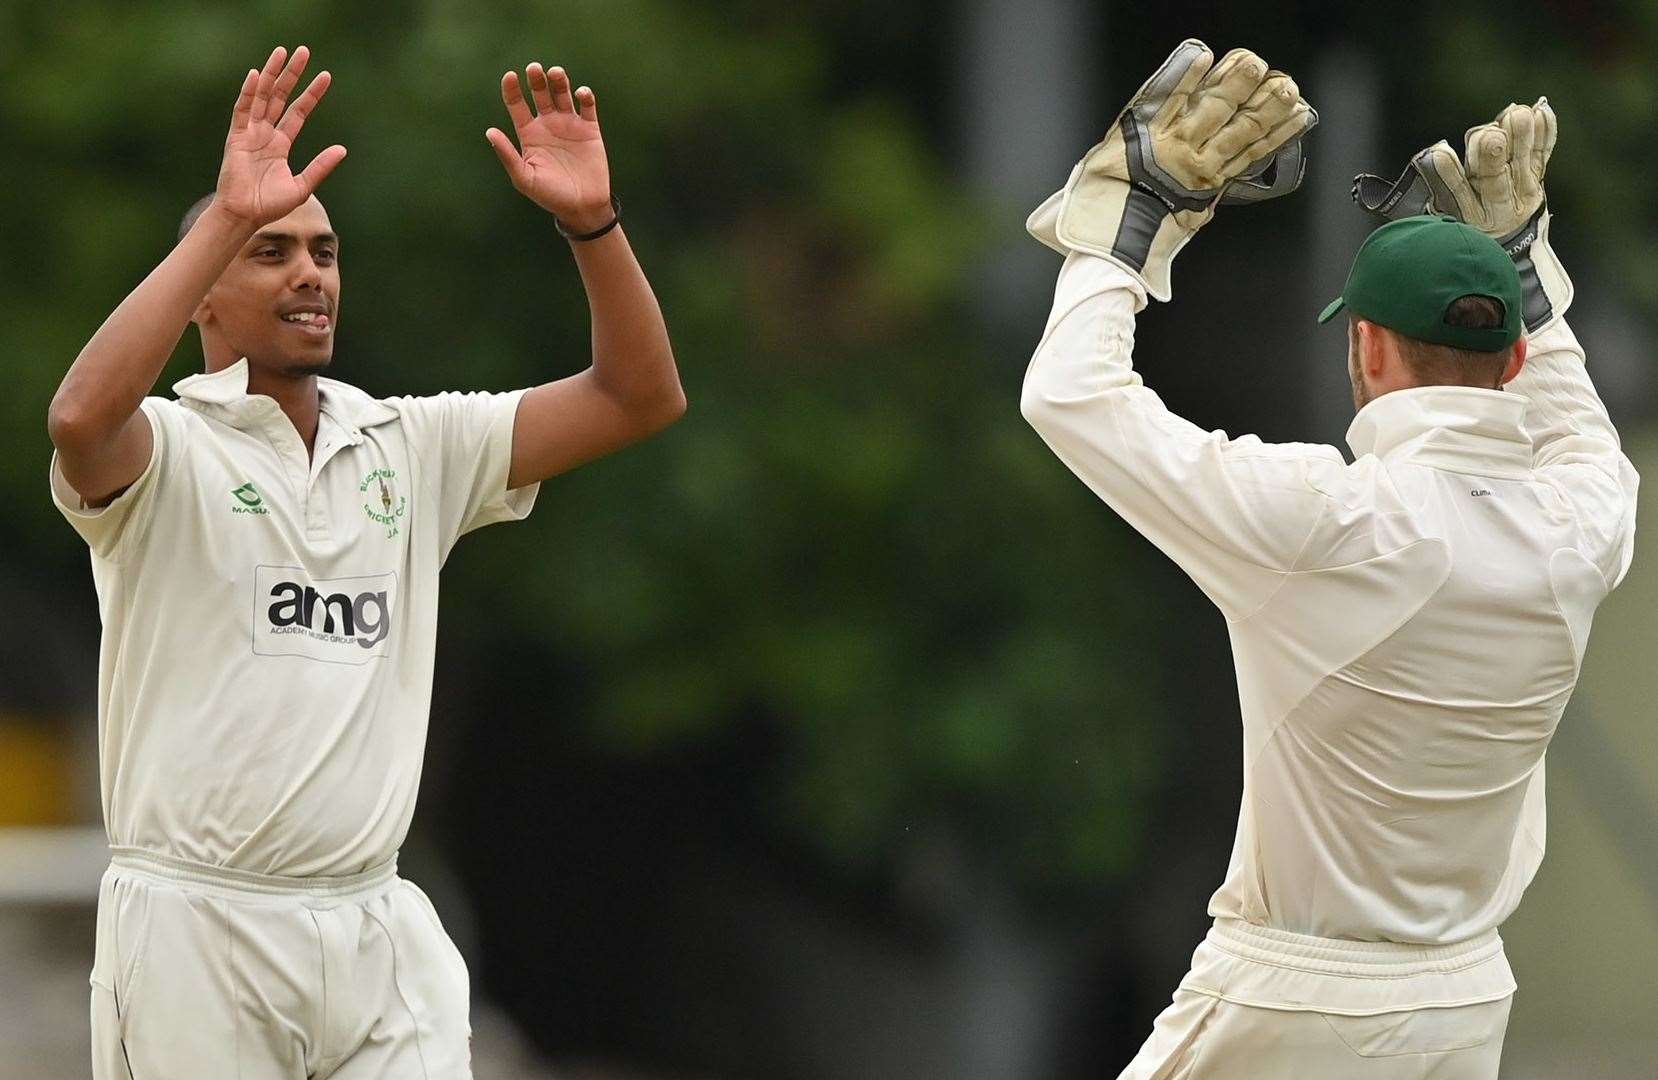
{"type": "Point", "coordinates": [1407, 629]}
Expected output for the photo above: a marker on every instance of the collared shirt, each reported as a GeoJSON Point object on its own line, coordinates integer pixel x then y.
{"type": "Point", "coordinates": [269, 617]}
{"type": "Point", "coordinates": [1406, 629]}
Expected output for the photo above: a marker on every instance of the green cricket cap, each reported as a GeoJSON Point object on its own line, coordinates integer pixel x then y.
{"type": "Point", "coordinates": [1409, 272]}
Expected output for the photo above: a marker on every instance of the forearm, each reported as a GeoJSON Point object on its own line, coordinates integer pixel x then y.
{"type": "Point", "coordinates": [1086, 350]}
{"type": "Point", "coordinates": [122, 361]}
{"type": "Point", "coordinates": [633, 361]}
{"type": "Point", "coordinates": [1564, 413]}
{"type": "Point", "coordinates": [1234, 514]}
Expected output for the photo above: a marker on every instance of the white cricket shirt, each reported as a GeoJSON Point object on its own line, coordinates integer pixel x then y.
{"type": "Point", "coordinates": [1406, 629]}
{"type": "Point", "coordinates": [269, 618]}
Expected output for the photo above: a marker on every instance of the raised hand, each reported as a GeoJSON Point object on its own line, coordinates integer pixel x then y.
{"type": "Point", "coordinates": [1195, 136]}
{"type": "Point", "coordinates": [256, 184]}
{"type": "Point", "coordinates": [559, 163]}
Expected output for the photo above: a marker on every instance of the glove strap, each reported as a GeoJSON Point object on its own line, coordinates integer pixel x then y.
{"type": "Point", "coordinates": [1275, 175]}
{"type": "Point", "coordinates": [1534, 301]}
{"type": "Point", "coordinates": [1395, 199]}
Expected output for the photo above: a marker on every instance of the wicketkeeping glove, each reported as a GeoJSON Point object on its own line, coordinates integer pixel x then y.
{"type": "Point", "coordinates": [1499, 192]}
{"type": "Point", "coordinates": [1196, 135]}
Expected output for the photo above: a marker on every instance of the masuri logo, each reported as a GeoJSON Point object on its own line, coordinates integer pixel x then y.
{"type": "Point", "coordinates": [251, 502]}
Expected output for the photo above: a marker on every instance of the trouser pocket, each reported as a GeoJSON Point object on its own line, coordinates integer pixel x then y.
{"type": "Point", "coordinates": [109, 1053]}
{"type": "Point", "coordinates": [1423, 1031]}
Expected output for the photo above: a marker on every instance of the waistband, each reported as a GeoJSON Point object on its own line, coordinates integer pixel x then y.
{"type": "Point", "coordinates": [171, 869]}
{"type": "Point", "coordinates": [1361, 959]}
{"type": "Point", "coordinates": [1276, 969]}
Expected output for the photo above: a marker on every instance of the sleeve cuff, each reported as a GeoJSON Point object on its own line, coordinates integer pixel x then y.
{"type": "Point", "coordinates": [1085, 275]}
{"type": "Point", "coordinates": [502, 503]}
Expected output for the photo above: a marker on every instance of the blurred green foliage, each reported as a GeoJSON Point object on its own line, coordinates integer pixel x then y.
{"type": "Point", "coordinates": [852, 537]}
{"type": "Point", "coordinates": [1594, 62]}
{"type": "Point", "coordinates": [852, 543]}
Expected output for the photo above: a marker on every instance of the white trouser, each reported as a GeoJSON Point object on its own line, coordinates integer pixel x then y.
{"type": "Point", "coordinates": [1264, 1004]}
{"type": "Point", "coordinates": [206, 972]}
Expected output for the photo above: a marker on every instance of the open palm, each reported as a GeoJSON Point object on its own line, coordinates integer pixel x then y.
{"type": "Point", "coordinates": [559, 162]}
{"type": "Point", "coordinates": [256, 183]}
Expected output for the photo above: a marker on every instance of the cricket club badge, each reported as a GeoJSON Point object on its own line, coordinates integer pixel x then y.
{"type": "Point", "coordinates": [381, 500]}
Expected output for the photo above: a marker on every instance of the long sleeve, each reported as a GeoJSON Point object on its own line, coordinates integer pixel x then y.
{"type": "Point", "coordinates": [1576, 449]}
{"type": "Point", "coordinates": [1234, 514]}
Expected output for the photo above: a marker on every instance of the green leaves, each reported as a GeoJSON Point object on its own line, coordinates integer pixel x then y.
{"type": "Point", "coordinates": [852, 543]}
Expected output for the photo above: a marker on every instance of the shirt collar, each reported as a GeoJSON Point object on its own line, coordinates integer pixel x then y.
{"type": "Point", "coordinates": [1465, 428]}
{"type": "Point", "coordinates": [227, 389]}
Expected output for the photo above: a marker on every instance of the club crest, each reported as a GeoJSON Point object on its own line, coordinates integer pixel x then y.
{"type": "Point", "coordinates": [381, 501]}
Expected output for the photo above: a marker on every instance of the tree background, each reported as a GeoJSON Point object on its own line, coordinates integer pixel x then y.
{"type": "Point", "coordinates": [838, 731]}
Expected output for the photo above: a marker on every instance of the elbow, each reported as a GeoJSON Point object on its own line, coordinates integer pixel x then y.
{"type": "Point", "coordinates": [1036, 404]}
{"type": "Point", "coordinates": [67, 425]}
{"type": "Point", "coordinates": [665, 407]}
{"type": "Point", "coordinates": [661, 410]}
{"type": "Point", "coordinates": [673, 407]}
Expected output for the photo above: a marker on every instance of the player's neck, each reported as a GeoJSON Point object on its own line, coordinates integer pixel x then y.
{"type": "Point", "coordinates": [296, 395]}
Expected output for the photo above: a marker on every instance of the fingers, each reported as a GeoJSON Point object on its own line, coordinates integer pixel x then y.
{"type": "Point", "coordinates": [550, 92]}
{"type": "Point", "coordinates": [1520, 123]}
{"type": "Point", "coordinates": [285, 83]}
{"type": "Point", "coordinates": [294, 118]}
{"type": "Point", "coordinates": [1232, 82]}
{"type": "Point", "coordinates": [539, 91]}
{"type": "Point", "coordinates": [1547, 131]}
{"type": "Point", "coordinates": [561, 90]}
{"type": "Point", "coordinates": [321, 165]}
{"type": "Point", "coordinates": [241, 112]}
{"type": "Point", "coordinates": [1179, 76]}
{"type": "Point", "coordinates": [266, 85]}
{"type": "Point", "coordinates": [1297, 122]}
{"type": "Point", "coordinates": [508, 154]}
{"type": "Point", "coordinates": [549, 89]}
{"type": "Point", "coordinates": [1489, 173]}
{"type": "Point", "coordinates": [1442, 169]}
{"type": "Point", "coordinates": [1274, 102]}
{"type": "Point", "coordinates": [513, 95]}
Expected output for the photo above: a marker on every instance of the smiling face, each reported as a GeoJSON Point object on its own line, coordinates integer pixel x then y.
{"type": "Point", "coordinates": [278, 301]}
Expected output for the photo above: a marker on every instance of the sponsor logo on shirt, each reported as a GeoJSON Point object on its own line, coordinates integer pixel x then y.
{"type": "Point", "coordinates": [381, 502]}
{"type": "Point", "coordinates": [248, 500]}
{"type": "Point", "coordinates": [339, 620]}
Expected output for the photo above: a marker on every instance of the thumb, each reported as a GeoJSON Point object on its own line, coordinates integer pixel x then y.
{"type": "Point", "coordinates": [321, 165]}
{"type": "Point", "coordinates": [508, 154]}
{"type": "Point", "coordinates": [1442, 168]}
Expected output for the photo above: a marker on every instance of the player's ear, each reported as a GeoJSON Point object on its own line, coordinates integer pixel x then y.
{"type": "Point", "coordinates": [1373, 348]}
{"type": "Point", "coordinates": [1516, 361]}
{"type": "Point", "coordinates": [202, 314]}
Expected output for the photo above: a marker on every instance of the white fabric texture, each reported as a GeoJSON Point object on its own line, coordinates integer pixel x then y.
{"type": "Point", "coordinates": [1406, 629]}
{"type": "Point", "coordinates": [201, 975]}
{"type": "Point", "coordinates": [269, 619]}
{"type": "Point", "coordinates": [1205, 1038]}
{"type": "Point", "coordinates": [1262, 1003]}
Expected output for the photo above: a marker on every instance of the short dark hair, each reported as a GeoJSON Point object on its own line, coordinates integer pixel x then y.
{"type": "Point", "coordinates": [1447, 365]}
{"type": "Point", "coordinates": [197, 209]}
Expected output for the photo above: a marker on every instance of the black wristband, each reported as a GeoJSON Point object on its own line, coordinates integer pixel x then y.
{"type": "Point", "coordinates": [615, 220]}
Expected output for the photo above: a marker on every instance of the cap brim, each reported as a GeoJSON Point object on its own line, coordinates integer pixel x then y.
{"type": "Point", "coordinates": [1330, 312]}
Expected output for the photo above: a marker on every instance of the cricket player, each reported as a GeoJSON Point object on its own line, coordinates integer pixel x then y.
{"type": "Point", "coordinates": [1407, 629]}
{"type": "Point", "coordinates": [266, 552]}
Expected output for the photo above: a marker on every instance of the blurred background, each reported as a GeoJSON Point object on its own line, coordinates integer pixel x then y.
{"type": "Point", "coordinates": [839, 732]}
